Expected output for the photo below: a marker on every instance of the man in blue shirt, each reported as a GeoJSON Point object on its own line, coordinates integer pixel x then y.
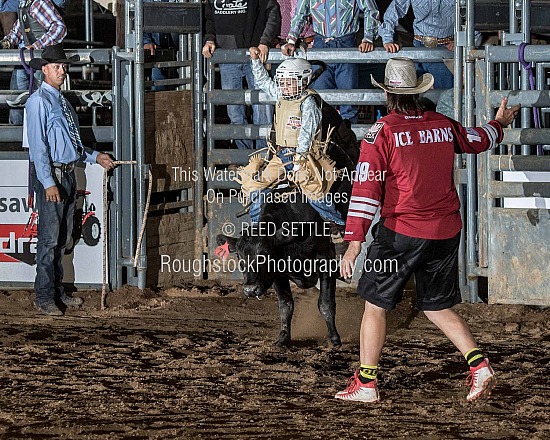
{"type": "Point", "coordinates": [433, 25]}
{"type": "Point", "coordinates": [52, 133]}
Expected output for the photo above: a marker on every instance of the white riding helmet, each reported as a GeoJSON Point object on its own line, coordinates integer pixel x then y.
{"type": "Point", "coordinates": [297, 69]}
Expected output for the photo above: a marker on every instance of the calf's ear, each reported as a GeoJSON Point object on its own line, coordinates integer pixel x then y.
{"type": "Point", "coordinates": [223, 239]}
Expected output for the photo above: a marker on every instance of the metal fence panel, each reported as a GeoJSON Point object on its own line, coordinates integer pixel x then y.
{"type": "Point", "coordinates": [520, 256]}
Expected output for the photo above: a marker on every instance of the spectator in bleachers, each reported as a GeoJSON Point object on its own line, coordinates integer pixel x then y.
{"type": "Point", "coordinates": [336, 23]}
{"type": "Point", "coordinates": [433, 25]}
{"type": "Point", "coordinates": [240, 25]}
{"type": "Point", "coordinates": [42, 26]}
{"type": "Point", "coordinates": [288, 7]}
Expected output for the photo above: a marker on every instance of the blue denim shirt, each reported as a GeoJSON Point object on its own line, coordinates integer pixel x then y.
{"type": "Point", "coordinates": [47, 133]}
{"type": "Point", "coordinates": [434, 18]}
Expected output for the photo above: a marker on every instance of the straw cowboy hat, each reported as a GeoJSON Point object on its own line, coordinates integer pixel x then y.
{"type": "Point", "coordinates": [52, 54]}
{"type": "Point", "coordinates": [400, 78]}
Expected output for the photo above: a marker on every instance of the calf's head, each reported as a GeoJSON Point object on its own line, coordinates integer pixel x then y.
{"type": "Point", "coordinates": [258, 259]}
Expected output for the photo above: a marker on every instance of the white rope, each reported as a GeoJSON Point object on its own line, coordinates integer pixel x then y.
{"type": "Point", "coordinates": [105, 236]}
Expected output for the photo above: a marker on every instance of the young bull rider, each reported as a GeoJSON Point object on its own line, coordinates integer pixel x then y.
{"type": "Point", "coordinates": [299, 155]}
{"type": "Point", "coordinates": [420, 222]}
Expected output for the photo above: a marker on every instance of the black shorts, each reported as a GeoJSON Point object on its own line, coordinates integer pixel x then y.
{"type": "Point", "coordinates": [391, 260]}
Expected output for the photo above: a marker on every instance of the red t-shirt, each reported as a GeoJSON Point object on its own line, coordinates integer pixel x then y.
{"type": "Point", "coordinates": [406, 166]}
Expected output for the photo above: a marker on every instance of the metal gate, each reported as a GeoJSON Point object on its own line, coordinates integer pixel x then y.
{"type": "Point", "coordinates": [508, 246]}
{"type": "Point", "coordinates": [508, 189]}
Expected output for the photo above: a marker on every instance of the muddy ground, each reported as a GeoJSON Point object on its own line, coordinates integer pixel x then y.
{"type": "Point", "coordinates": [197, 362]}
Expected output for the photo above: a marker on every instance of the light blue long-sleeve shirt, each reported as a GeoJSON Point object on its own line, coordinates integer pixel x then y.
{"type": "Point", "coordinates": [433, 18]}
{"type": "Point", "coordinates": [47, 132]}
{"type": "Point", "coordinates": [311, 113]}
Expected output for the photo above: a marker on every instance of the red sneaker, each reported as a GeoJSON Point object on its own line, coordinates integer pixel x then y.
{"type": "Point", "coordinates": [359, 391]}
{"type": "Point", "coordinates": [482, 380]}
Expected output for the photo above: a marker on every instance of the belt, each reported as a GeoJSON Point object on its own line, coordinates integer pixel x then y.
{"type": "Point", "coordinates": [428, 41]}
{"type": "Point", "coordinates": [65, 167]}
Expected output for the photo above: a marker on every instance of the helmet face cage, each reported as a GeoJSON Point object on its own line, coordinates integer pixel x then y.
{"type": "Point", "coordinates": [292, 78]}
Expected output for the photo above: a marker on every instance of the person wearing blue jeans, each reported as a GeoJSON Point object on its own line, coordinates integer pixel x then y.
{"type": "Point", "coordinates": [335, 23]}
{"type": "Point", "coordinates": [433, 26]}
{"type": "Point", "coordinates": [39, 25]}
{"type": "Point", "coordinates": [52, 133]}
{"type": "Point", "coordinates": [343, 76]}
{"type": "Point", "coordinates": [239, 25]}
{"type": "Point", "coordinates": [443, 78]}
{"type": "Point", "coordinates": [232, 78]}
{"type": "Point", "coordinates": [326, 210]}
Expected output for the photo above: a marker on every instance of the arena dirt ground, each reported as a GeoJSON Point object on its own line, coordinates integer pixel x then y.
{"type": "Point", "coordinates": [197, 362]}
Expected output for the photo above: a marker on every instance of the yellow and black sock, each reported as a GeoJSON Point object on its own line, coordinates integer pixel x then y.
{"type": "Point", "coordinates": [474, 357]}
{"type": "Point", "coordinates": [367, 373]}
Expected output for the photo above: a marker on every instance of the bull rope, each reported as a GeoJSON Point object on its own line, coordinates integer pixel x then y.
{"type": "Point", "coordinates": [141, 232]}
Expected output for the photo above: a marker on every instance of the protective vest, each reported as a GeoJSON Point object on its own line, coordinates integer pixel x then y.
{"type": "Point", "coordinates": [31, 29]}
{"type": "Point", "coordinates": [288, 120]}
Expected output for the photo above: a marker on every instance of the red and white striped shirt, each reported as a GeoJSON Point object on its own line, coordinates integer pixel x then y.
{"type": "Point", "coordinates": [406, 166]}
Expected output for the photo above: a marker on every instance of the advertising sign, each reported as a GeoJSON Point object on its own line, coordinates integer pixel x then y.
{"type": "Point", "coordinates": [82, 262]}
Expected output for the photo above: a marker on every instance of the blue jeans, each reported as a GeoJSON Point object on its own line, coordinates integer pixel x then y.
{"type": "Point", "coordinates": [443, 78]}
{"type": "Point", "coordinates": [327, 210]}
{"type": "Point", "coordinates": [232, 79]}
{"type": "Point", "coordinates": [20, 81]}
{"type": "Point", "coordinates": [339, 76]}
{"type": "Point", "coordinates": [55, 227]}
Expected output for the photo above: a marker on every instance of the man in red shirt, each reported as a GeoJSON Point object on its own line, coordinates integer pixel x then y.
{"type": "Point", "coordinates": [406, 167]}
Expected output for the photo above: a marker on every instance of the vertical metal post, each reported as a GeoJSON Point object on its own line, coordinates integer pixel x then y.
{"type": "Point", "coordinates": [489, 114]}
{"type": "Point", "coordinates": [199, 145]}
{"type": "Point", "coordinates": [459, 96]}
{"type": "Point", "coordinates": [210, 119]}
{"type": "Point", "coordinates": [471, 202]}
{"type": "Point", "coordinates": [139, 96]}
{"type": "Point", "coordinates": [525, 31]}
{"type": "Point", "coordinates": [126, 180]}
{"type": "Point", "coordinates": [88, 31]}
{"type": "Point", "coordinates": [483, 166]}
{"type": "Point", "coordinates": [210, 78]}
{"type": "Point", "coordinates": [89, 21]}
{"type": "Point", "coordinates": [115, 231]}
{"type": "Point", "coordinates": [182, 55]}
{"type": "Point", "coordinates": [513, 68]}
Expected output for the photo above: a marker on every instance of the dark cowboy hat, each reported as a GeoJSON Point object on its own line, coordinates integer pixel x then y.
{"type": "Point", "coordinates": [52, 54]}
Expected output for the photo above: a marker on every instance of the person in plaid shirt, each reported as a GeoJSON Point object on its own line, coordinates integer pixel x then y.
{"type": "Point", "coordinates": [336, 23]}
{"type": "Point", "coordinates": [39, 25]}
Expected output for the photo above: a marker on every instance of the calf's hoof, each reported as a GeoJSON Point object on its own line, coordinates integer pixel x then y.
{"type": "Point", "coordinates": [283, 340]}
{"type": "Point", "coordinates": [336, 341]}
